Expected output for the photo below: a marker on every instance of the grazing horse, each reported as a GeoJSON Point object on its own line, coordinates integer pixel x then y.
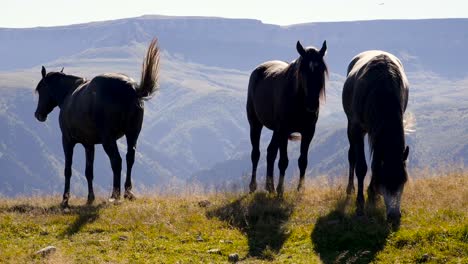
{"type": "Point", "coordinates": [99, 111]}
{"type": "Point", "coordinates": [285, 98]}
{"type": "Point", "coordinates": [375, 96]}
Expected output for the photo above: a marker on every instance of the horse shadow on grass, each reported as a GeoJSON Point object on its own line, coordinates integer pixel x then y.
{"type": "Point", "coordinates": [262, 217]}
{"type": "Point", "coordinates": [85, 214]}
{"type": "Point", "coordinates": [343, 237]}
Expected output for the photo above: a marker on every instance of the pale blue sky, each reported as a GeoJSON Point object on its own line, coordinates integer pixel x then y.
{"type": "Point", "coordinates": [30, 13]}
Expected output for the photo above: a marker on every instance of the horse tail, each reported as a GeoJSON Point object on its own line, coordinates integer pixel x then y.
{"type": "Point", "coordinates": [409, 123]}
{"type": "Point", "coordinates": [295, 137]}
{"type": "Point", "coordinates": [149, 83]}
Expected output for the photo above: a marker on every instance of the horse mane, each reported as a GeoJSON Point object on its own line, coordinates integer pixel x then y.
{"type": "Point", "coordinates": [78, 80]}
{"type": "Point", "coordinates": [388, 105]}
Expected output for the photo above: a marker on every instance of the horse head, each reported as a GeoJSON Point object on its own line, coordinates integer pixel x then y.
{"type": "Point", "coordinates": [49, 96]}
{"type": "Point", "coordinates": [311, 73]}
{"type": "Point", "coordinates": [393, 176]}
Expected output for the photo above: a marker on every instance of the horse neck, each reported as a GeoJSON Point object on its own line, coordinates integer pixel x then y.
{"type": "Point", "coordinates": [388, 141]}
{"type": "Point", "coordinates": [65, 86]}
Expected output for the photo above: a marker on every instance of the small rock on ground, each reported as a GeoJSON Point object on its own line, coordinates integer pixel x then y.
{"type": "Point", "coordinates": [204, 203]}
{"type": "Point", "coordinates": [46, 251]}
{"type": "Point", "coordinates": [426, 257]}
{"type": "Point", "coordinates": [214, 251]}
{"type": "Point", "coordinates": [234, 257]}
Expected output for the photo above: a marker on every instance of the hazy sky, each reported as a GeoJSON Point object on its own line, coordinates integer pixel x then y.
{"type": "Point", "coordinates": [30, 13]}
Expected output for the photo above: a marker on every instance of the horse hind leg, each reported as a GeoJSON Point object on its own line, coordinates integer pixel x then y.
{"type": "Point", "coordinates": [130, 158]}
{"type": "Point", "coordinates": [89, 150]}
{"type": "Point", "coordinates": [361, 167]}
{"type": "Point", "coordinates": [352, 163]}
{"type": "Point", "coordinates": [133, 131]}
{"type": "Point", "coordinates": [255, 133]}
{"type": "Point", "coordinates": [111, 149]}
{"type": "Point", "coordinates": [68, 151]}
{"type": "Point", "coordinates": [272, 152]}
{"type": "Point", "coordinates": [282, 163]}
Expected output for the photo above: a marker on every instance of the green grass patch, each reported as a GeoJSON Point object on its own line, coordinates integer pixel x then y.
{"type": "Point", "coordinates": [317, 226]}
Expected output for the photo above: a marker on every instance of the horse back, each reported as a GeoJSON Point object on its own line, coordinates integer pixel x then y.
{"type": "Point", "coordinates": [100, 106]}
{"type": "Point", "coordinates": [374, 77]}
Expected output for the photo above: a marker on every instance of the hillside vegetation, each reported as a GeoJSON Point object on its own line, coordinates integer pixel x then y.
{"type": "Point", "coordinates": [317, 226]}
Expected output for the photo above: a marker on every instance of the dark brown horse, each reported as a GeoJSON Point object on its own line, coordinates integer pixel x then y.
{"type": "Point", "coordinates": [285, 98]}
{"type": "Point", "coordinates": [99, 111]}
{"type": "Point", "coordinates": [375, 96]}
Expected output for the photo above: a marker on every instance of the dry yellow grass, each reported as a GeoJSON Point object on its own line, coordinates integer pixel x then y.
{"type": "Point", "coordinates": [317, 226]}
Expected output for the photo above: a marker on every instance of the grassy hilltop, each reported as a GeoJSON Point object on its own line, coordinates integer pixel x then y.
{"type": "Point", "coordinates": [317, 226]}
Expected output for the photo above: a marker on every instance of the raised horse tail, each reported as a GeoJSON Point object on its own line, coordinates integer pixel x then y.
{"type": "Point", "coordinates": [149, 83]}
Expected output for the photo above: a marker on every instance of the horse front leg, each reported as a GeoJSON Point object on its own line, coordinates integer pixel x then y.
{"type": "Point", "coordinates": [112, 151]}
{"type": "Point", "coordinates": [89, 150]}
{"type": "Point", "coordinates": [272, 151]}
{"type": "Point", "coordinates": [68, 146]}
{"type": "Point", "coordinates": [283, 163]}
{"type": "Point", "coordinates": [303, 158]}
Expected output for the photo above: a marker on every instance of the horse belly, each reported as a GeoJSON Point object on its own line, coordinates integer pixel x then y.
{"type": "Point", "coordinates": [85, 133]}
{"type": "Point", "coordinates": [265, 114]}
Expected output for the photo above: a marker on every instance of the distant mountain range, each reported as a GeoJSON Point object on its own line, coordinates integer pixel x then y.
{"type": "Point", "coordinates": [195, 130]}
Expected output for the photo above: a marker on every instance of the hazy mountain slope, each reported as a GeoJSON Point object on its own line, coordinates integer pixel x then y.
{"type": "Point", "coordinates": [195, 128]}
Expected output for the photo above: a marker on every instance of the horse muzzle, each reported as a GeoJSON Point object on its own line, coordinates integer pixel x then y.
{"type": "Point", "coordinates": [40, 117]}
{"type": "Point", "coordinates": [392, 204]}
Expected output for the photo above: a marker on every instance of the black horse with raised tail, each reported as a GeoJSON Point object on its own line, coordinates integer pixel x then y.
{"type": "Point", "coordinates": [99, 111]}
{"type": "Point", "coordinates": [375, 96]}
{"type": "Point", "coordinates": [285, 98]}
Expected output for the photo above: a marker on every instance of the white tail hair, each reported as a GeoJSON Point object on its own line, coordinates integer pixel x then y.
{"type": "Point", "coordinates": [409, 123]}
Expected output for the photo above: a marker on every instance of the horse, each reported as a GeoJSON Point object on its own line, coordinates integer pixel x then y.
{"type": "Point", "coordinates": [375, 96]}
{"type": "Point", "coordinates": [99, 111]}
{"type": "Point", "coordinates": [285, 98]}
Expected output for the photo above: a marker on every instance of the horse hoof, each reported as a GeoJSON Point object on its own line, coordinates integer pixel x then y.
{"type": "Point", "coordinates": [115, 195]}
{"type": "Point", "coordinates": [280, 191]}
{"type": "Point", "coordinates": [129, 195]}
{"type": "Point", "coordinates": [350, 190]}
{"type": "Point", "coordinates": [360, 211]}
{"type": "Point", "coordinates": [90, 201]}
{"type": "Point", "coordinates": [300, 188]}
{"type": "Point", "coordinates": [270, 188]}
{"type": "Point", "coordinates": [64, 204]}
{"type": "Point", "coordinates": [253, 187]}
{"type": "Point", "coordinates": [114, 201]}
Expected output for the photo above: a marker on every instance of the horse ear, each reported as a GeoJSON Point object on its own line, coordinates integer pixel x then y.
{"type": "Point", "coordinates": [405, 153]}
{"type": "Point", "coordinates": [43, 72]}
{"type": "Point", "coordinates": [300, 49]}
{"type": "Point", "coordinates": [62, 69]}
{"type": "Point", "coordinates": [323, 50]}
